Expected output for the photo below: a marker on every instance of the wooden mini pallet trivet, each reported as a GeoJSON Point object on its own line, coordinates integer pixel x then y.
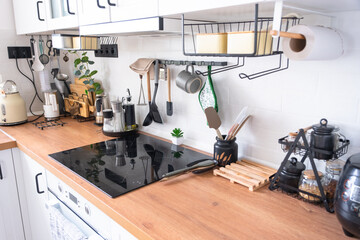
{"type": "Point", "coordinates": [250, 174]}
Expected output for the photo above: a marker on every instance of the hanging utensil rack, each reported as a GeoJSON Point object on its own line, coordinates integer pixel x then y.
{"type": "Point", "coordinates": [260, 26]}
{"type": "Point", "coordinates": [197, 63]}
{"type": "Point", "coordinates": [303, 149]}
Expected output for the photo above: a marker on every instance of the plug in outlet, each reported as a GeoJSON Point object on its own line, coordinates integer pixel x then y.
{"type": "Point", "coordinates": [19, 52]}
{"type": "Point", "coordinates": [107, 50]}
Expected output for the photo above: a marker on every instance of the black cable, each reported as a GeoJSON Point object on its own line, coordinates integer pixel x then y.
{"type": "Point", "coordinates": [33, 83]}
{"type": "Point", "coordinates": [31, 80]}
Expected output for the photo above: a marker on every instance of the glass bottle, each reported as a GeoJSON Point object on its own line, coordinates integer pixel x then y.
{"type": "Point", "coordinates": [118, 116]}
{"type": "Point", "coordinates": [309, 184]}
{"type": "Point", "coordinates": [331, 178]}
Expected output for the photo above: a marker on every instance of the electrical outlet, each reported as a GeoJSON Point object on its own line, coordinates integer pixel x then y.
{"type": "Point", "coordinates": [19, 52]}
{"type": "Point", "coordinates": [107, 50]}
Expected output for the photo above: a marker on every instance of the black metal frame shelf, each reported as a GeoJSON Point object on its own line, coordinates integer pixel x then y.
{"type": "Point", "coordinates": [260, 26]}
{"type": "Point", "coordinates": [303, 148]}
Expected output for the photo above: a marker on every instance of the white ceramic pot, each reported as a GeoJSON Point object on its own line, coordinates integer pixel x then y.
{"type": "Point", "coordinates": [177, 141]}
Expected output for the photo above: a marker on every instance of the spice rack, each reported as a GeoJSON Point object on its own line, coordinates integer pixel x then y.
{"type": "Point", "coordinates": [301, 147]}
{"type": "Point", "coordinates": [262, 44]}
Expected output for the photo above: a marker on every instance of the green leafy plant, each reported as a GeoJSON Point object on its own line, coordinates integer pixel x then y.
{"type": "Point", "coordinates": [177, 132]}
{"type": "Point", "coordinates": [82, 71]}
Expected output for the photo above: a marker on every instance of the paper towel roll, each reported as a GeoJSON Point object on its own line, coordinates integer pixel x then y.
{"type": "Point", "coordinates": [321, 43]}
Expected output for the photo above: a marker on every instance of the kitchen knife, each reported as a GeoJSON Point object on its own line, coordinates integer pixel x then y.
{"type": "Point", "coordinates": [207, 163]}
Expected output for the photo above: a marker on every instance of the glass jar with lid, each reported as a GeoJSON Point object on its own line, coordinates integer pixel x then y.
{"type": "Point", "coordinates": [331, 178]}
{"type": "Point", "coordinates": [309, 184]}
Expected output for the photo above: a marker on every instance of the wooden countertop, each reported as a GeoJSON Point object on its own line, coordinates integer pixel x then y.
{"type": "Point", "coordinates": [187, 207]}
{"type": "Point", "coordinates": [6, 142]}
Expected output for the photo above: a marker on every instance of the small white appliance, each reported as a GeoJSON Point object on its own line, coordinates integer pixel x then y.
{"type": "Point", "coordinates": [51, 107]}
{"type": "Point", "coordinates": [12, 105]}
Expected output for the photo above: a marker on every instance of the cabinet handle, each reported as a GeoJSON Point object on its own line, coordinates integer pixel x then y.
{"type": "Point", "coordinates": [38, 10]}
{"type": "Point", "coordinates": [111, 4]}
{"type": "Point", "coordinates": [1, 176]}
{"type": "Point", "coordinates": [98, 4]}
{"type": "Point", "coordinates": [37, 183]}
{"type": "Point", "coordinates": [68, 8]}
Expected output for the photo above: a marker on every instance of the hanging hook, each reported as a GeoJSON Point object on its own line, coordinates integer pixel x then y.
{"type": "Point", "coordinates": [223, 69]}
{"type": "Point", "coordinates": [266, 72]}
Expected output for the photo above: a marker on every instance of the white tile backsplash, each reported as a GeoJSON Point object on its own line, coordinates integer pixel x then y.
{"type": "Point", "coordinates": [279, 103]}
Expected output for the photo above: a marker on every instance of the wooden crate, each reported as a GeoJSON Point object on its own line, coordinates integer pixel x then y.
{"type": "Point", "coordinates": [250, 174]}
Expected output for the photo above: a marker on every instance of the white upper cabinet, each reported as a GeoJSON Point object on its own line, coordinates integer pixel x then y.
{"type": "Point", "coordinates": [167, 7]}
{"type": "Point", "coordinates": [30, 16]}
{"type": "Point", "coordinates": [93, 11]}
{"type": "Point", "coordinates": [135, 9]}
{"type": "Point", "coordinates": [61, 14]}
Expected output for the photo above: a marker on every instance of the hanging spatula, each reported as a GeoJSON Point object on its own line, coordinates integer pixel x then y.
{"type": "Point", "coordinates": [169, 104]}
{"type": "Point", "coordinates": [153, 107]}
{"type": "Point", "coordinates": [213, 120]}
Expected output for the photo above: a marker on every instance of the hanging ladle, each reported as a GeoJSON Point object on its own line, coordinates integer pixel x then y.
{"type": "Point", "coordinates": [62, 76]}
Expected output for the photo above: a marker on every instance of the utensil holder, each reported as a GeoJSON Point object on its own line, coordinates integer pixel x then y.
{"type": "Point", "coordinates": [225, 152]}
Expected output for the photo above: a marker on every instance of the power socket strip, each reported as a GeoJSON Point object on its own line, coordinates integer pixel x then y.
{"type": "Point", "coordinates": [107, 50]}
{"type": "Point", "coordinates": [19, 52]}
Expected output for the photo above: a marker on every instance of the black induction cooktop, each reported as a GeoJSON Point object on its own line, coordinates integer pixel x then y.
{"type": "Point", "coordinates": [121, 165]}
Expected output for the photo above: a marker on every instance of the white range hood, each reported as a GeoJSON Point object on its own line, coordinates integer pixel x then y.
{"type": "Point", "coordinates": [146, 26]}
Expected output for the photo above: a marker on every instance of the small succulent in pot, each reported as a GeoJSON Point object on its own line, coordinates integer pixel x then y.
{"type": "Point", "coordinates": [177, 136]}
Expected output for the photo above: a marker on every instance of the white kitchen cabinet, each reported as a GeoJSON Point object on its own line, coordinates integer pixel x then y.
{"type": "Point", "coordinates": [120, 233]}
{"type": "Point", "coordinates": [93, 11]}
{"type": "Point", "coordinates": [33, 195]}
{"type": "Point", "coordinates": [177, 7]}
{"type": "Point", "coordinates": [61, 14]}
{"type": "Point", "coordinates": [30, 16]}
{"type": "Point", "coordinates": [11, 226]}
{"type": "Point", "coordinates": [135, 9]}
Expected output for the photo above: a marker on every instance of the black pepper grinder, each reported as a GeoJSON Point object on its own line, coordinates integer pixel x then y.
{"type": "Point", "coordinates": [129, 108]}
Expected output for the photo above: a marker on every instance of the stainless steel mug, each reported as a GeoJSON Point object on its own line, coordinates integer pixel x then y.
{"type": "Point", "coordinates": [189, 81]}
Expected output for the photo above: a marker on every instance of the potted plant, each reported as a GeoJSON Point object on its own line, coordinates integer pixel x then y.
{"type": "Point", "coordinates": [83, 72]}
{"type": "Point", "coordinates": [177, 136]}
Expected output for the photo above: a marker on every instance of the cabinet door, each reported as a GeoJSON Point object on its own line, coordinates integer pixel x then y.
{"type": "Point", "coordinates": [61, 14]}
{"type": "Point", "coordinates": [167, 7]}
{"type": "Point", "coordinates": [93, 11]}
{"type": "Point", "coordinates": [10, 217]}
{"type": "Point", "coordinates": [135, 9]}
{"type": "Point", "coordinates": [33, 196]}
{"type": "Point", "coordinates": [30, 16]}
{"type": "Point", "coordinates": [120, 233]}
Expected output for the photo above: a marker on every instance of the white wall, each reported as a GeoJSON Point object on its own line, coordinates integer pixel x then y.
{"type": "Point", "coordinates": [8, 68]}
{"type": "Point", "coordinates": [280, 103]}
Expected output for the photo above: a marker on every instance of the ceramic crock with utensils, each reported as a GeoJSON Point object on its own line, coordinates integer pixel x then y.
{"type": "Point", "coordinates": [225, 151]}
